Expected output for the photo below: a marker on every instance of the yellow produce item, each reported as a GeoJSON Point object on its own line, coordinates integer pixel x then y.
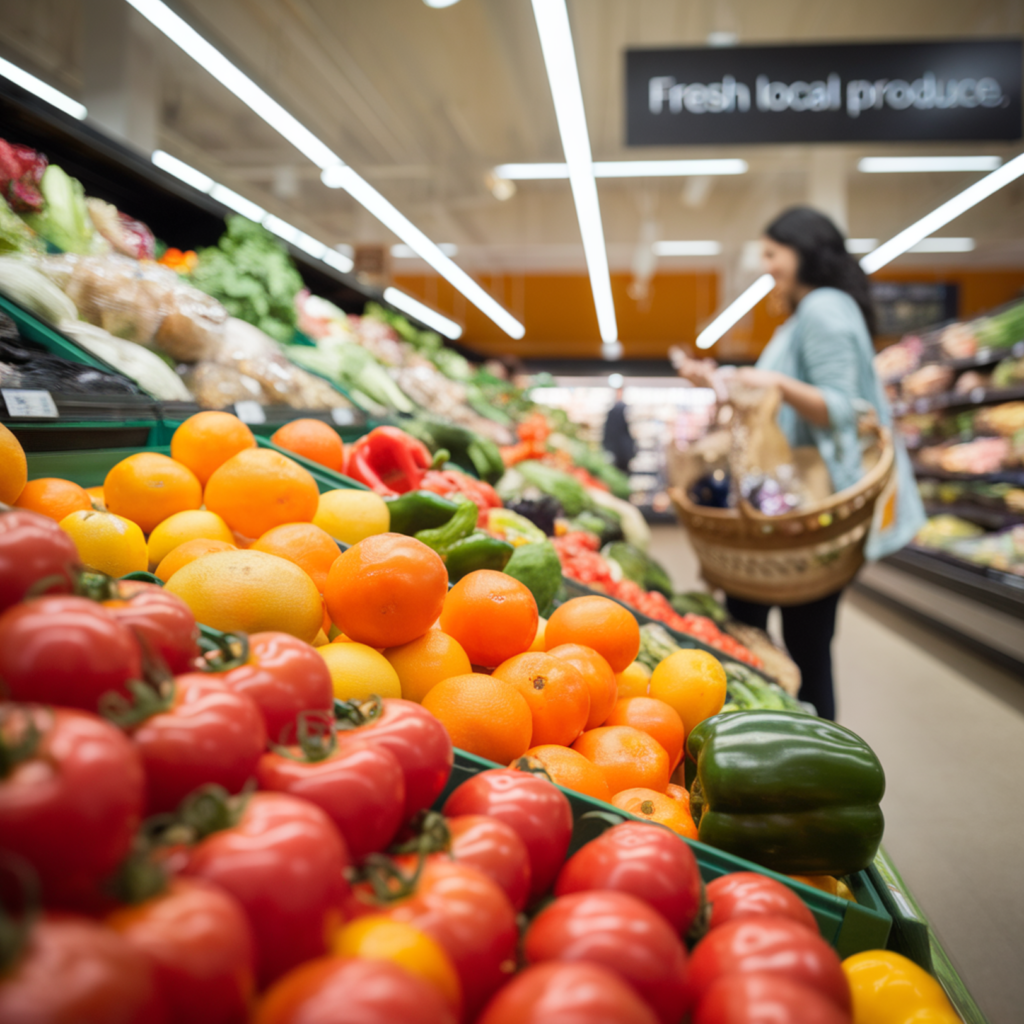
{"type": "Point", "coordinates": [350, 516]}
{"type": "Point", "coordinates": [423, 663]}
{"type": "Point", "coordinates": [887, 988]}
{"type": "Point", "coordinates": [358, 671]}
{"type": "Point", "coordinates": [106, 543]}
{"type": "Point", "coordinates": [538, 640]}
{"type": "Point", "coordinates": [13, 467]}
{"type": "Point", "coordinates": [192, 524]}
{"type": "Point", "coordinates": [692, 682]}
{"type": "Point", "coordinates": [147, 487]}
{"type": "Point", "coordinates": [634, 680]}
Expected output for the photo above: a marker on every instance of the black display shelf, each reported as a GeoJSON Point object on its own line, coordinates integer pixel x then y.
{"type": "Point", "coordinates": [986, 517]}
{"type": "Point", "coordinates": [1005, 476]}
{"type": "Point", "coordinates": [983, 357]}
{"type": "Point", "coordinates": [951, 400]}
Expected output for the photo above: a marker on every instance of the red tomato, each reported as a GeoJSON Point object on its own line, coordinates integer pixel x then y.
{"type": "Point", "coordinates": [535, 809]}
{"type": "Point", "coordinates": [71, 803]}
{"type": "Point", "coordinates": [767, 945]}
{"type": "Point", "coordinates": [467, 915]}
{"type": "Point", "coordinates": [198, 939]}
{"type": "Point", "coordinates": [492, 847]}
{"type": "Point", "coordinates": [65, 650]}
{"type": "Point", "coordinates": [284, 861]}
{"type": "Point", "coordinates": [75, 971]}
{"type": "Point", "coordinates": [621, 933]}
{"type": "Point", "coordinates": [748, 894]}
{"type": "Point", "coordinates": [346, 990]}
{"type": "Point", "coordinates": [34, 553]}
{"type": "Point", "coordinates": [163, 621]}
{"type": "Point", "coordinates": [416, 738]}
{"type": "Point", "coordinates": [577, 993]}
{"type": "Point", "coordinates": [765, 999]}
{"type": "Point", "coordinates": [209, 734]}
{"type": "Point", "coordinates": [644, 860]}
{"type": "Point", "coordinates": [284, 676]}
{"type": "Point", "coordinates": [358, 785]}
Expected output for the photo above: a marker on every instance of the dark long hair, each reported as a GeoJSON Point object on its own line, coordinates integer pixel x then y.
{"type": "Point", "coordinates": [824, 261]}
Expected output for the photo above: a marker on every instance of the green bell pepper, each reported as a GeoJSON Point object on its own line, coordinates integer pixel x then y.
{"type": "Point", "coordinates": [419, 510]}
{"type": "Point", "coordinates": [794, 793]}
{"type": "Point", "coordinates": [461, 525]}
{"type": "Point", "coordinates": [477, 551]}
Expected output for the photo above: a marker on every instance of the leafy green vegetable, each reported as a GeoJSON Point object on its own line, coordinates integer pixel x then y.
{"type": "Point", "coordinates": [15, 234]}
{"type": "Point", "coordinates": [567, 489]}
{"type": "Point", "coordinates": [537, 567]}
{"type": "Point", "coordinates": [65, 220]}
{"type": "Point", "coordinates": [638, 566]}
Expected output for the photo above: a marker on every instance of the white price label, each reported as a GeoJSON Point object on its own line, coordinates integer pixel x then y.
{"type": "Point", "coordinates": [343, 417]}
{"type": "Point", "coordinates": [250, 412]}
{"type": "Point", "coordinates": [38, 404]}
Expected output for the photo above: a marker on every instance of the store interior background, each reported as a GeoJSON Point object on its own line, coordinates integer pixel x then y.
{"type": "Point", "coordinates": [426, 103]}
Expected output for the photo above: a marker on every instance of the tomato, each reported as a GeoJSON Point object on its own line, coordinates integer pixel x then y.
{"type": "Point", "coordinates": [767, 945]}
{"type": "Point", "coordinates": [647, 862]}
{"type": "Point", "coordinates": [468, 916]}
{"type": "Point", "coordinates": [198, 939]}
{"type": "Point", "coordinates": [414, 736]}
{"type": "Point", "coordinates": [494, 848]}
{"type": "Point", "coordinates": [284, 861]}
{"type": "Point", "coordinates": [75, 971]}
{"type": "Point", "coordinates": [535, 809]}
{"type": "Point", "coordinates": [765, 999]}
{"type": "Point", "coordinates": [619, 932]}
{"type": "Point", "coordinates": [346, 990]}
{"type": "Point", "coordinates": [284, 676]}
{"type": "Point", "coordinates": [209, 734]}
{"type": "Point", "coordinates": [748, 894]}
{"type": "Point", "coordinates": [65, 650]}
{"type": "Point", "coordinates": [358, 785]}
{"type": "Point", "coordinates": [571, 993]}
{"type": "Point", "coordinates": [34, 553]}
{"type": "Point", "coordinates": [71, 800]}
{"type": "Point", "coordinates": [163, 621]}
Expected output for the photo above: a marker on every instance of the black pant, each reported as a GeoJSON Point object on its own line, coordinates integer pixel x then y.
{"type": "Point", "coordinates": [807, 630]}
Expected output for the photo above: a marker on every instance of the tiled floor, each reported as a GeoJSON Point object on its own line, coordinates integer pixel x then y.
{"type": "Point", "coordinates": [949, 729]}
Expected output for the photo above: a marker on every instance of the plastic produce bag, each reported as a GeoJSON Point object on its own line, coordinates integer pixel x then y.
{"type": "Point", "coordinates": [21, 281]}
{"type": "Point", "coordinates": [214, 386]}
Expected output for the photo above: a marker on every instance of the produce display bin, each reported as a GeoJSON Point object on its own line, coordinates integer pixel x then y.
{"type": "Point", "coordinates": [849, 927]}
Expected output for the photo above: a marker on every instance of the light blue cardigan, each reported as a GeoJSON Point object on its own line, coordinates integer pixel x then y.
{"type": "Point", "coordinates": [826, 343]}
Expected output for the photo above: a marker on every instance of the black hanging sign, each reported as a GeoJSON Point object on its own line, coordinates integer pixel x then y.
{"type": "Point", "coordinates": [892, 92]}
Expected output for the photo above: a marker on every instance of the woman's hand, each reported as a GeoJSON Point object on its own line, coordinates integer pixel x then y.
{"type": "Point", "coordinates": [752, 377]}
{"type": "Point", "coordinates": [697, 371]}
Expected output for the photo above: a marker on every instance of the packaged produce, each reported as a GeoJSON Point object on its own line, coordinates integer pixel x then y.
{"type": "Point", "coordinates": [929, 380]}
{"type": "Point", "coordinates": [21, 171]}
{"type": "Point", "coordinates": [125, 235]}
{"type": "Point", "coordinates": [1002, 330]}
{"type": "Point", "coordinates": [64, 220]}
{"type": "Point", "coordinates": [21, 281]}
{"type": "Point", "coordinates": [1005, 419]}
{"type": "Point", "coordinates": [216, 387]}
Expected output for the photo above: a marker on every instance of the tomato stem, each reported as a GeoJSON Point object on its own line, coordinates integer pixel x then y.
{"type": "Point", "coordinates": [351, 714]}
{"type": "Point", "coordinates": [432, 836]}
{"type": "Point", "coordinates": [222, 651]}
{"type": "Point", "coordinates": [387, 880]}
{"type": "Point", "coordinates": [15, 927]}
{"type": "Point", "coordinates": [145, 702]}
{"type": "Point", "coordinates": [138, 877]}
{"type": "Point", "coordinates": [534, 766]}
{"type": "Point", "coordinates": [316, 737]}
{"type": "Point", "coordinates": [20, 736]}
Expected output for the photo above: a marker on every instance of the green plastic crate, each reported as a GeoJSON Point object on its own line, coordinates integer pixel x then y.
{"type": "Point", "coordinates": [849, 927]}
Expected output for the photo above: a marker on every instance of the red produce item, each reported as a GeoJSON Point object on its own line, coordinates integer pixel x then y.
{"type": "Point", "coordinates": [36, 557]}
{"type": "Point", "coordinates": [748, 894]}
{"type": "Point", "coordinates": [164, 622]}
{"type": "Point", "coordinates": [765, 999]}
{"type": "Point", "coordinates": [21, 171]}
{"type": "Point", "coordinates": [388, 460]}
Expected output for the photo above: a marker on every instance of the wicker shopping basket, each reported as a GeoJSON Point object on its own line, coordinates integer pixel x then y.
{"type": "Point", "coordinates": [792, 558]}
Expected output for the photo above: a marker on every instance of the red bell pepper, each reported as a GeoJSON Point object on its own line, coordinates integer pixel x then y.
{"type": "Point", "coordinates": [447, 482]}
{"type": "Point", "coordinates": [388, 460]}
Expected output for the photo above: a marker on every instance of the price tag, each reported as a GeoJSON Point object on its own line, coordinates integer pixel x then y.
{"type": "Point", "coordinates": [977, 394]}
{"type": "Point", "coordinates": [250, 412]}
{"type": "Point", "coordinates": [37, 404]}
{"type": "Point", "coordinates": [343, 417]}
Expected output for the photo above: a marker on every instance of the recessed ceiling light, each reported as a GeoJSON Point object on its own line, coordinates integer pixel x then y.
{"type": "Point", "coordinates": [925, 164]}
{"type": "Point", "coordinates": [39, 88]}
{"type": "Point", "coordinates": [625, 169]}
{"type": "Point", "coordinates": [687, 248]}
{"type": "Point", "coordinates": [439, 4]}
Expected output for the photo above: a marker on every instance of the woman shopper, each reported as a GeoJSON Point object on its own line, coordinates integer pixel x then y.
{"type": "Point", "coordinates": [822, 361]}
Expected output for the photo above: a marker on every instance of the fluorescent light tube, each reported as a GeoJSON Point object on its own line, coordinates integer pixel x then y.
{"type": "Point", "coordinates": [531, 172]}
{"type": "Point", "coordinates": [560, 61]}
{"type": "Point", "coordinates": [735, 311]}
{"type": "Point", "coordinates": [624, 169]}
{"type": "Point", "coordinates": [338, 260]}
{"type": "Point", "coordinates": [429, 316]}
{"type": "Point", "coordinates": [682, 248]}
{"type": "Point", "coordinates": [923, 164]}
{"type": "Point", "coordinates": [940, 217]}
{"type": "Point", "coordinates": [182, 171]}
{"type": "Point", "coordinates": [859, 245]}
{"type": "Point", "coordinates": [230, 198]}
{"type": "Point", "coordinates": [406, 252]}
{"type": "Point", "coordinates": [39, 88]}
{"type": "Point", "coordinates": [943, 245]}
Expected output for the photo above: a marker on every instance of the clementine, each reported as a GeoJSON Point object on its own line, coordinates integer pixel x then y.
{"type": "Point", "coordinates": [654, 717]}
{"type": "Point", "coordinates": [423, 663]}
{"type": "Point", "coordinates": [569, 768]}
{"type": "Point", "coordinates": [13, 467]}
{"type": "Point", "coordinates": [598, 676]}
{"type": "Point", "coordinates": [207, 440]}
{"type": "Point", "coordinates": [628, 757]}
{"type": "Point", "coordinates": [653, 806]}
{"type": "Point", "coordinates": [187, 552]}
{"type": "Point", "coordinates": [53, 497]}
{"type": "Point", "coordinates": [492, 615]}
{"type": "Point", "coordinates": [313, 550]}
{"type": "Point", "coordinates": [557, 695]}
{"type": "Point", "coordinates": [147, 487]}
{"type": "Point", "coordinates": [313, 440]}
{"type": "Point", "coordinates": [597, 622]}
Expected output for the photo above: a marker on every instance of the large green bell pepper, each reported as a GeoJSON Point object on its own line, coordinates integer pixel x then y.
{"type": "Point", "coordinates": [419, 510]}
{"type": "Point", "coordinates": [794, 793]}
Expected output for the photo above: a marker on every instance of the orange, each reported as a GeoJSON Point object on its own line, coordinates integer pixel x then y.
{"type": "Point", "coordinates": [13, 467]}
{"type": "Point", "coordinates": [207, 440]}
{"type": "Point", "coordinates": [568, 768]}
{"type": "Point", "coordinates": [183, 526]}
{"type": "Point", "coordinates": [249, 592]}
{"type": "Point", "coordinates": [310, 548]}
{"type": "Point", "coordinates": [492, 615]}
{"type": "Point", "coordinates": [53, 497]}
{"type": "Point", "coordinates": [313, 440]}
{"type": "Point", "coordinates": [634, 680]}
{"type": "Point", "coordinates": [258, 489]}
{"type": "Point", "coordinates": [692, 682]}
{"type": "Point", "coordinates": [678, 793]}
{"type": "Point", "coordinates": [422, 664]}
{"type": "Point", "coordinates": [189, 552]}
{"type": "Point", "coordinates": [598, 676]}
{"type": "Point", "coordinates": [486, 716]}
{"type": "Point", "coordinates": [653, 806]}
{"type": "Point", "coordinates": [538, 640]}
{"type": "Point", "coordinates": [96, 497]}
{"type": "Point", "coordinates": [654, 717]}
{"type": "Point", "coordinates": [627, 756]}
{"type": "Point", "coordinates": [105, 542]}
{"type": "Point", "coordinates": [147, 487]}
{"type": "Point", "coordinates": [386, 590]}
{"type": "Point", "coordinates": [558, 697]}
{"type": "Point", "coordinates": [597, 622]}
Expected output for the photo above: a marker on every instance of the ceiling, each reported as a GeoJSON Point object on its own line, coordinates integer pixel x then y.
{"type": "Point", "coordinates": [424, 102]}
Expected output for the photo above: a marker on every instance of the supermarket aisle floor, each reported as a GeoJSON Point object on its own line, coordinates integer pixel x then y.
{"type": "Point", "coordinates": [949, 728]}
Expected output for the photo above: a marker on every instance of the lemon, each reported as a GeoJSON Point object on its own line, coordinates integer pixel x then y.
{"type": "Point", "coordinates": [538, 640]}
{"type": "Point", "coordinates": [182, 526]}
{"type": "Point", "coordinates": [634, 680]}
{"type": "Point", "coordinates": [350, 516]}
{"type": "Point", "coordinates": [358, 671]}
{"type": "Point", "coordinates": [321, 639]}
{"type": "Point", "coordinates": [107, 543]}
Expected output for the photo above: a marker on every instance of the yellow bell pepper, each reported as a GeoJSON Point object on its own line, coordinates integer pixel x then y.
{"type": "Point", "coordinates": [887, 988]}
